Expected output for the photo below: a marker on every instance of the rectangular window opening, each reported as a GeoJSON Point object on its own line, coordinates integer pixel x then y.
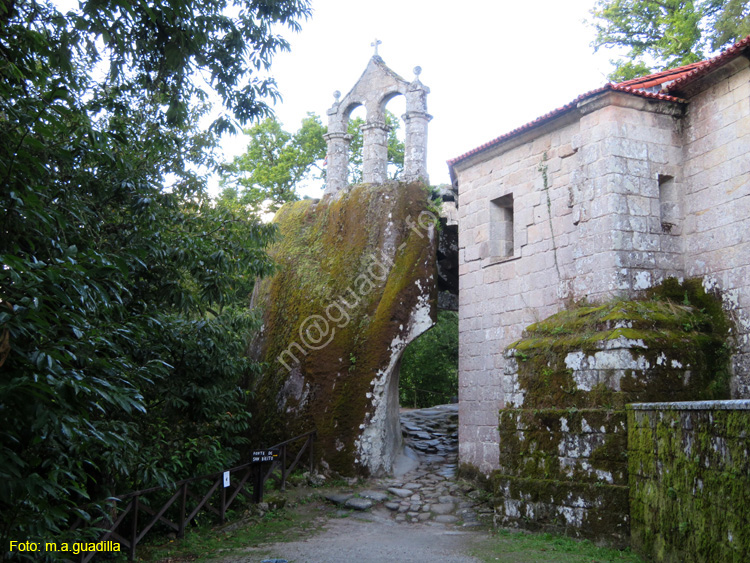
{"type": "Point", "coordinates": [501, 227]}
{"type": "Point", "coordinates": [669, 205]}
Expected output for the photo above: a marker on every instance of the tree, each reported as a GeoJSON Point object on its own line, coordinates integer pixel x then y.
{"type": "Point", "coordinates": [123, 292]}
{"type": "Point", "coordinates": [429, 366]}
{"type": "Point", "coordinates": [274, 163]}
{"type": "Point", "coordinates": [664, 34]}
{"type": "Point", "coordinates": [268, 174]}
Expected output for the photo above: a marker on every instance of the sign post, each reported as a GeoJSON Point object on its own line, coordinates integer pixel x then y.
{"type": "Point", "coordinates": [259, 457]}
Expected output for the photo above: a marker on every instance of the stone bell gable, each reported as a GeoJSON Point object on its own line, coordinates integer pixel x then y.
{"type": "Point", "coordinates": [374, 89]}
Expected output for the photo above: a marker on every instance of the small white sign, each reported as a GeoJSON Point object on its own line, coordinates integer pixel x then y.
{"type": "Point", "coordinates": [226, 479]}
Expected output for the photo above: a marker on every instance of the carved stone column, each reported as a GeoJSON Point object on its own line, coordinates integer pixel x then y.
{"type": "Point", "coordinates": [337, 157]}
{"type": "Point", "coordinates": [373, 90]}
{"type": "Point", "coordinates": [375, 152]}
{"type": "Point", "coordinates": [415, 146]}
{"type": "Point", "coordinates": [416, 119]}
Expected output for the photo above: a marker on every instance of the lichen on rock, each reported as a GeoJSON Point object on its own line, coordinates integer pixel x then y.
{"type": "Point", "coordinates": [355, 283]}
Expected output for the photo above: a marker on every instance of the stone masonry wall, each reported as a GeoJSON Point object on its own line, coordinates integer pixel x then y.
{"type": "Point", "coordinates": [716, 177]}
{"type": "Point", "coordinates": [564, 471]}
{"type": "Point", "coordinates": [585, 223]}
{"type": "Point", "coordinates": [563, 460]}
{"type": "Point", "coordinates": [689, 466]}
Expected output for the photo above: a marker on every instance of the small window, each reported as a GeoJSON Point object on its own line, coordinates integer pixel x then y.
{"type": "Point", "coordinates": [669, 205]}
{"type": "Point", "coordinates": [501, 227]}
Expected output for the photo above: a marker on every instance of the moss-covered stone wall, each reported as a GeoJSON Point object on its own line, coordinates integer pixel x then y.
{"type": "Point", "coordinates": [563, 456]}
{"type": "Point", "coordinates": [689, 466]}
{"type": "Point", "coordinates": [355, 283]}
{"type": "Point", "coordinates": [563, 471]}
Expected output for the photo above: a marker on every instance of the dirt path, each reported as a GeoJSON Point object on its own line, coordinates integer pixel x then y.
{"type": "Point", "coordinates": [372, 537]}
{"type": "Point", "coordinates": [419, 514]}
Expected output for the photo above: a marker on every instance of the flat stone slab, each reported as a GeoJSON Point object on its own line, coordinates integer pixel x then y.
{"type": "Point", "coordinates": [392, 505]}
{"type": "Point", "coordinates": [338, 498]}
{"type": "Point", "coordinates": [442, 508]}
{"type": "Point", "coordinates": [412, 486]}
{"type": "Point", "coordinates": [401, 493]}
{"type": "Point", "coordinates": [358, 503]}
{"type": "Point", "coordinates": [446, 519]}
{"type": "Point", "coordinates": [377, 496]}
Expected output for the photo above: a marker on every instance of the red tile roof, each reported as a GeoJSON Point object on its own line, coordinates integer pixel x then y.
{"type": "Point", "coordinates": [657, 78]}
{"type": "Point", "coordinates": [707, 66]}
{"type": "Point", "coordinates": [671, 80]}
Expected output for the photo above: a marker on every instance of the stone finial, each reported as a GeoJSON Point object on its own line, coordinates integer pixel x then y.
{"type": "Point", "coordinates": [336, 96]}
{"type": "Point", "coordinates": [375, 44]}
{"type": "Point", "coordinates": [417, 72]}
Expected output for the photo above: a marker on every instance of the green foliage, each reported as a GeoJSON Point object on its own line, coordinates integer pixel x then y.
{"type": "Point", "coordinates": [429, 366]}
{"type": "Point", "coordinates": [203, 543]}
{"type": "Point", "coordinates": [666, 34]}
{"type": "Point", "coordinates": [274, 164]}
{"type": "Point", "coordinates": [122, 290]}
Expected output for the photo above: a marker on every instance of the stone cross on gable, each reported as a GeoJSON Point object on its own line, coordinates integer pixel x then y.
{"type": "Point", "coordinates": [375, 44]}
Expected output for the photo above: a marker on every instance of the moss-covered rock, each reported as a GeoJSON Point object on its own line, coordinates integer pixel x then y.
{"type": "Point", "coordinates": [355, 284]}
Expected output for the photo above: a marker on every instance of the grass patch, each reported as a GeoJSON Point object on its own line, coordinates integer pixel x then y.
{"type": "Point", "coordinates": [521, 547]}
{"type": "Point", "coordinates": [204, 543]}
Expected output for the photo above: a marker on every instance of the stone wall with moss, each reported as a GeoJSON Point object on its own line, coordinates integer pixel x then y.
{"type": "Point", "coordinates": [689, 466]}
{"type": "Point", "coordinates": [563, 461]}
{"type": "Point", "coordinates": [355, 283]}
{"type": "Point", "coordinates": [563, 471]}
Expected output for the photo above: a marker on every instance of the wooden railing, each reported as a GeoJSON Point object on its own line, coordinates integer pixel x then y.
{"type": "Point", "coordinates": [190, 503]}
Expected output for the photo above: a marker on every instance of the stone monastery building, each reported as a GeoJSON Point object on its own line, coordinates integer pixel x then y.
{"type": "Point", "coordinates": [609, 195]}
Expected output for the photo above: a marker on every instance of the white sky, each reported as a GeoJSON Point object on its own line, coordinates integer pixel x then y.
{"type": "Point", "coordinates": [490, 66]}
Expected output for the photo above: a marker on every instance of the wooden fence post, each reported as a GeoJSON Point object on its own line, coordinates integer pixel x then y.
{"type": "Point", "coordinates": [223, 499]}
{"type": "Point", "coordinates": [312, 456]}
{"type": "Point", "coordinates": [134, 529]}
{"type": "Point", "coordinates": [258, 486]}
{"type": "Point", "coordinates": [183, 502]}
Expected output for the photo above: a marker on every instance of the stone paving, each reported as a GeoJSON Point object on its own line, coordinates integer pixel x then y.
{"type": "Point", "coordinates": [426, 490]}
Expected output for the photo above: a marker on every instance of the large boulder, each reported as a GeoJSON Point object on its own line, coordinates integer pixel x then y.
{"type": "Point", "coordinates": [355, 284]}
